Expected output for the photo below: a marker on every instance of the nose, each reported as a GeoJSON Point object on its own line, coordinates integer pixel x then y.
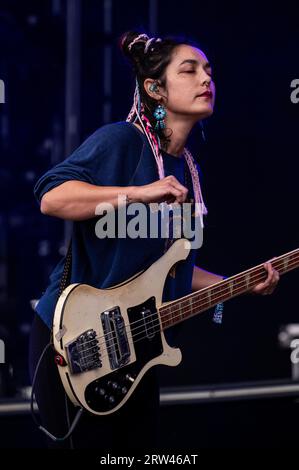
{"type": "Point", "coordinates": [206, 79]}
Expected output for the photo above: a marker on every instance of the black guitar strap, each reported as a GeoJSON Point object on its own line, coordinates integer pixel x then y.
{"type": "Point", "coordinates": [65, 277]}
{"type": "Point", "coordinates": [66, 273]}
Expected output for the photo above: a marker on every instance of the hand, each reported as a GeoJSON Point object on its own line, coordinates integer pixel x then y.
{"type": "Point", "coordinates": [267, 287]}
{"type": "Point", "coordinates": [168, 189]}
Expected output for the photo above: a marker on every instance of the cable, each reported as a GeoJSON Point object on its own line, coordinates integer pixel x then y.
{"type": "Point", "coordinates": [40, 427]}
{"type": "Point", "coordinates": [67, 413]}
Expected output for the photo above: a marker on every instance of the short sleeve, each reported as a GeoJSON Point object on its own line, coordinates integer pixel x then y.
{"type": "Point", "coordinates": [108, 157]}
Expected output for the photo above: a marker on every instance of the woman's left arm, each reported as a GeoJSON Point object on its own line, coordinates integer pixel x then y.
{"type": "Point", "coordinates": [202, 278]}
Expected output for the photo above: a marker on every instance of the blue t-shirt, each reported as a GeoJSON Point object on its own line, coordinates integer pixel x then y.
{"type": "Point", "coordinates": [117, 154]}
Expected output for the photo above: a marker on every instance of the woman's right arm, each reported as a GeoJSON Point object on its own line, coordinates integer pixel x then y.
{"type": "Point", "coordinates": [77, 200]}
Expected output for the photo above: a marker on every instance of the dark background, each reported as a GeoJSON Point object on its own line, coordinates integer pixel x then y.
{"type": "Point", "coordinates": [249, 164]}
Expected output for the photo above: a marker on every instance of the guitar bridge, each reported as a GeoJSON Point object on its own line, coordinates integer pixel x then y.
{"type": "Point", "coordinates": [116, 338]}
{"type": "Point", "coordinates": [84, 352]}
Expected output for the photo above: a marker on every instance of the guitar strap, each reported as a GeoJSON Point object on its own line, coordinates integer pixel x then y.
{"type": "Point", "coordinates": [66, 273]}
{"type": "Point", "coordinates": [65, 277]}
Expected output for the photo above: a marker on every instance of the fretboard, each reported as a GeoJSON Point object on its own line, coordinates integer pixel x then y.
{"type": "Point", "coordinates": [193, 304]}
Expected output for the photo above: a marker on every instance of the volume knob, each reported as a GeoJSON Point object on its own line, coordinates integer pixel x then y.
{"type": "Point", "coordinates": [113, 385]}
{"type": "Point", "coordinates": [100, 390]}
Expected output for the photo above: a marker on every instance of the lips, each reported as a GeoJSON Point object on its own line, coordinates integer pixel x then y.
{"type": "Point", "coordinates": [208, 94]}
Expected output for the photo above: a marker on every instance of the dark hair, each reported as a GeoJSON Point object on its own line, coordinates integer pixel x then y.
{"type": "Point", "coordinates": [151, 64]}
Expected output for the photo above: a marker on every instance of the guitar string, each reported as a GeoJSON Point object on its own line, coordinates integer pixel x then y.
{"type": "Point", "coordinates": [221, 290]}
{"type": "Point", "coordinates": [194, 305]}
{"type": "Point", "coordinates": [206, 306]}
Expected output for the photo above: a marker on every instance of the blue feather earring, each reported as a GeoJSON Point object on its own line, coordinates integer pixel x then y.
{"type": "Point", "coordinates": [159, 114]}
{"type": "Point", "coordinates": [160, 111]}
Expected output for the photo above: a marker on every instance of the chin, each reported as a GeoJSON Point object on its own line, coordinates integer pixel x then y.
{"type": "Point", "coordinates": [204, 113]}
{"type": "Point", "coordinates": [209, 112]}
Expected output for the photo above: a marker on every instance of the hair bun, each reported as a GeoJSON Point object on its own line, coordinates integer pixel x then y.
{"type": "Point", "coordinates": [132, 43]}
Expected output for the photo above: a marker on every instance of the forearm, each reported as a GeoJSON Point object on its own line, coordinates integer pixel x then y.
{"type": "Point", "coordinates": [202, 278]}
{"type": "Point", "coordinates": [77, 200]}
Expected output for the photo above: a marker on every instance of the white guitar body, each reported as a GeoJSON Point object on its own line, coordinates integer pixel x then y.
{"type": "Point", "coordinates": [106, 339]}
{"type": "Point", "coordinates": [95, 333]}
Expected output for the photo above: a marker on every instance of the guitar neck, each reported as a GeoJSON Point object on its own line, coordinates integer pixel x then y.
{"type": "Point", "coordinates": [194, 304]}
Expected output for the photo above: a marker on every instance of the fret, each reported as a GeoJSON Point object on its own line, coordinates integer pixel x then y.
{"type": "Point", "coordinates": [166, 318]}
{"type": "Point", "coordinates": [285, 263]}
{"type": "Point", "coordinates": [247, 280]}
{"type": "Point", "coordinates": [180, 313]}
{"type": "Point", "coordinates": [216, 293]}
{"type": "Point", "coordinates": [188, 307]}
{"type": "Point", "coordinates": [289, 261]}
{"type": "Point", "coordinates": [231, 287]}
{"type": "Point", "coordinates": [293, 260]}
{"type": "Point", "coordinates": [206, 298]}
{"type": "Point", "coordinates": [170, 315]}
{"type": "Point", "coordinates": [228, 289]}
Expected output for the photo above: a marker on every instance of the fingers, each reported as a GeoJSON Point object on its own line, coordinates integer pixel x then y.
{"type": "Point", "coordinates": [176, 189]}
{"type": "Point", "coordinates": [273, 275]}
{"type": "Point", "coordinates": [268, 286]}
{"type": "Point", "coordinates": [178, 194]}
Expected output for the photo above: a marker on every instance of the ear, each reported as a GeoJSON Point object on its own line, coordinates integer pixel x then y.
{"type": "Point", "coordinates": [152, 88]}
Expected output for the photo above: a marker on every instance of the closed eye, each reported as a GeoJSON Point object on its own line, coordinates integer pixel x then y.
{"type": "Point", "coordinates": [209, 72]}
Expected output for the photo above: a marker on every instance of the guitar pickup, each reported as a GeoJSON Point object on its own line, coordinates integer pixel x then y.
{"type": "Point", "coordinates": [116, 338]}
{"type": "Point", "coordinates": [150, 323]}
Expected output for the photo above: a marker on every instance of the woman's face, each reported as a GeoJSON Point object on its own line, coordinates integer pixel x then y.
{"type": "Point", "coordinates": [188, 76]}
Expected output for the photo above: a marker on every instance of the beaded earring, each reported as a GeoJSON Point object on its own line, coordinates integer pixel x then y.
{"type": "Point", "coordinates": [160, 111]}
{"type": "Point", "coordinates": [159, 114]}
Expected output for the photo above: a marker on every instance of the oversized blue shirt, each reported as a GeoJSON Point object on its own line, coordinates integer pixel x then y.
{"type": "Point", "coordinates": [116, 154]}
